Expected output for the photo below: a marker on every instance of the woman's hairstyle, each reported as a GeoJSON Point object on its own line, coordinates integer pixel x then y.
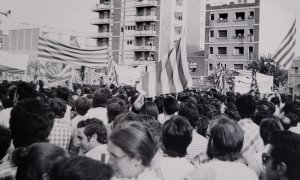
{"type": "Point", "coordinates": [36, 160]}
{"type": "Point", "coordinates": [226, 139]}
{"type": "Point", "coordinates": [149, 108]}
{"type": "Point", "coordinates": [134, 139]}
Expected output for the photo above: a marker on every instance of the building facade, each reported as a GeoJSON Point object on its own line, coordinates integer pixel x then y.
{"type": "Point", "coordinates": [294, 77]}
{"type": "Point", "coordinates": [142, 31]}
{"type": "Point", "coordinates": [232, 35]}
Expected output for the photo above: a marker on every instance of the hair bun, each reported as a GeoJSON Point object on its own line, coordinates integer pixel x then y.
{"type": "Point", "coordinates": [20, 155]}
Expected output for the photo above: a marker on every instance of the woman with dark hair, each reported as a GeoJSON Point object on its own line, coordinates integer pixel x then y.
{"type": "Point", "coordinates": [225, 143]}
{"type": "Point", "coordinates": [132, 149]}
{"type": "Point", "coordinates": [149, 108]}
{"type": "Point", "coordinates": [35, 161]}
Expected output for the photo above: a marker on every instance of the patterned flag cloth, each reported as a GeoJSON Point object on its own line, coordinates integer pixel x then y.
{"type": "Point", "coordinates": [254, 86]}
{"type": "Point", "coordinates": [170, 75]}
{"type": "Point", "coordinates": [285, 54]}
{"type": "Point", "coordinates": [112, 72]}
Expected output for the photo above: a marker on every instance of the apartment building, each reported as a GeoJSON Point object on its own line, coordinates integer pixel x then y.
{"type": "Point", "coordinates": [294, 77]}
{"type": "Point", "coordinates": [142, 31]}
{"type": "Point", "coordinates": [232, 35]}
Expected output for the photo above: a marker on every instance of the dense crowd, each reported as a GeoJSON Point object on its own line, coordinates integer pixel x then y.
{"type": "Point", "coordinates": [107, 132]}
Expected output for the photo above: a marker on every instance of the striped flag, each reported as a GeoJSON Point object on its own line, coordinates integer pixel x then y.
{"type": "Point", "coordinates": [254, 86]}
{"type": "Point", "coordinates": [286, 52]}
{"type": "Point", "coordinates": [170, 75]}
{"type": "Point", "coordinates": [112, 72]}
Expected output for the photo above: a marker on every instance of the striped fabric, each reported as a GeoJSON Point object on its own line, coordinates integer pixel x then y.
{"type": "Point", "coordinates": [286, 51]}
{"type": "Point", "coordinates": [254, 86]}
{"type": "Point", "coordinates": [170, 75]}
{"type": "Point", "coordinates": [112, 72]}
{"type": "Point", "coordinates": [50, 50]}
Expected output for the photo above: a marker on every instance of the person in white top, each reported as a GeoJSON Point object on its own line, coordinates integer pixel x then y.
{"type": "Point", "coordinates": [225, 143]}
{"type": "Point", "coordinates": [170, 108]}
{"type": "Point", "coordinates": [82, 105]}
{"type": "Point", "coordinates": [92, 135]}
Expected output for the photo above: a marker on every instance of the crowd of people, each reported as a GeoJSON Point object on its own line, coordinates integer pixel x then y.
{"type": "Point", "coordinates": [107, 132]}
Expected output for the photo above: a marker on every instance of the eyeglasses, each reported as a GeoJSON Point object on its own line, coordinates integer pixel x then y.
{"type": "Point", "coordinates": [115, 158]}
{"type": "Point", "coordinates": [265, 157]}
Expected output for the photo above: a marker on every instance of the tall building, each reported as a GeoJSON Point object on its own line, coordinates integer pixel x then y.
{"type": "Point", "coordinates": [232, 35]}
{"type": "Point", "coordinates": [139, 31]}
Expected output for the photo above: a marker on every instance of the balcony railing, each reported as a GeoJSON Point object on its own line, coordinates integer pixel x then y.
{"type": "Point", "coordinates": [100, 35]}
{"type": "Point", "coordinates": [222, 20]}
{"type": "Point", "coordinates": [146, 18]}
{"type": "Point", "coordinates": [145, 33]}
{"type": "Point", "coordinates": [238, 37]}
{"type": "Point", "coordinates": [101, 21]}
{"type": "Point", "coordinates": [144, 48]}
{"type": "Point", "coordinates": [99, 7]}
{"type": "Point", "coordinates": [145, 3]}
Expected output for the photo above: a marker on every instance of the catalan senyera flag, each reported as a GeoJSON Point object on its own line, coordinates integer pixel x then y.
{"type": "Point", "coordinates": [169, 75]}
{"type": "Point", "coordinates": [112, 72]}
{"type": "Point", "coordinates": [285, 54]}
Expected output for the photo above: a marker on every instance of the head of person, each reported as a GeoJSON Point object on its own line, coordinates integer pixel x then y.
{"type": "Point", "coordinates": [177, 136]}
{"type": "Point", "coordinates": [292, 111]}
{"type": "Point", "coordinates": [159, 101]}
{"type": "Point", "coordinates": [91, 133]}
{"type": "Point", "coordinates": [115, 107]}
{"type": "Point", "coordinates": [201, 125]}
{"type": "Point", "coordinates": [127, 117]}
{"type": "Point", "coordinates": [100, 98]}
{"type": "Point", "coordinates": [281, 161]}
{"type": "Point", "coordinates": [58, 106]}
{"type": "Point", "coordinates": [275, 100]}
{"type": "Point", "coordinates": [35, 161]}
{"type": "Point", "coordinates": [31, 121]}
{"type": "Point", "coordinates": [131, 149]}
{"type": "Point", "coordinates": [25, 90]}
{"type": "Point", "coordinates": [63, 93]}
{"type": "Point", "coordinates": [5, 140]}
{"type": "Point", "coordinates": [149, 108]}
{"type": "Point", "coordinates": [226, 139]}
{"type": "Point", "coordinates": [246, 105]}
{"type": "Point", "coordinates": [82, 105]}
{"type": "Point", "coordinates": [80, 168]}
{"type": "Point", "coordinates": [189, 110]}
{"type": "Point", "coordinates": [170, 105]}
{"type": "Point", "coordinates": [268, 126]}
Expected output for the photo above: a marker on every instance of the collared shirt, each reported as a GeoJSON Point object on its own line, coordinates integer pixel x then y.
{"type": "Point", "coordinates": [8, 170]}
{"type": "Point", "coordinates": [61, 135]}
{"type": "Point", "coordinates": [99, 113]}
{"type": "Point", "coordinates": [99, 153]}
{"type": "Point", "coordinates": [196, 151]}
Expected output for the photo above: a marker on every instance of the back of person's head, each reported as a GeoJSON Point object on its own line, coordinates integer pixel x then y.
{"type": "Point", "coordinates": [285, 152]}
{"type": "Point", "coordinates": [36, 160]}
{"type": "Point", "coordinates": [147, 118]}
{"type": "Point", "coordinates": [82, 105]}
{"type": "Point", "coordinates": [115, 107]}
{"type": "Point", "coordinates": [268, 126]}
{"type": "Point", "coordinates": [5, 140]}
{"type": "Point", "coordinates": [125, 99]}
{"type": "Point", "coordinates": [31, 121]}
{"type": "Point", "coordinates": [159, 101]}
{"type": "Point", "coordinates": [63, 93]}
{"type": "Point", "coordinates": [177, 136]}
{"type": "Point", "coordinates": [80, 168]}
{"type": "Point", "coordinates": [170, 105]}
{"type": "Point", "coordinates": [226, 139]}
{"type": "Point", "coordinates": [58, 106]}
{"type": "Point", "coordinates": [25, 90]}
{"type": "Point", "coordinates": [275, 100]}
{"type": "Point", "coordinates": [100, 98]}
{"type": "Point", "coordinates": [201, 125]}
{"type": "Point", "coordinates": [127, 117]}
{"type": "Point", "coordinates": [246, 105]}
{"type": "Point", "coordinates": [189, 111]}
{"type": "Point", "coordinates": [292, 111]}
{"type": "Point", "coordinates": [155, 128]}
{"type": "Point", "coordinates": [94, 126]}
{"type": "Point", "coordinates": [149, 108]}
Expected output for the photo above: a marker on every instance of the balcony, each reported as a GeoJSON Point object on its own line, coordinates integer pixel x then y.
{"type": "Point", "coordinates": [100, 21]}
{"type": "Point", "coordinates": [146, 18]}
{"type": "Point", "coordinates": [144, 48]}
{"type": "Point", "coordinates": [145, 33]}
{"type": "Point", "coordinates": [146, 3]}
{"type": "Point", "coordinates": [101, 7]}
{"type": "Point", "coordinates": [98, 35]}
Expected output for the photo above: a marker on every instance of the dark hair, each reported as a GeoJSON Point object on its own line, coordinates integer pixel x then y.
{"type": "Point", "coordinates": [82, 105]}
{"type": "Point", "coordinates": [170, 105]}
{"type": "Point", "coordinates": [268, 126]}
{"type": "Point", "coordinates": [80, 168]}
{"type": "Point", "coordinates": [115, 107]}
{"type": "Point", "coordinates": [36, 160]}
{"type": "Point", "coordinates": [63, 93]}
{"type": "Point", "coordinates": [127, 117]}
{"type": "Point", "coordinates": [159, 101]}
{"type": "Point", "coordinates": [177, 136]}
{"type": "Point", "coordinates": [31, 121]}
{"type": "Point", "coordinates": [201, 125]}
{"type": "Point", "coordinates": [292, 111]}
{"type": "Point", "coordinates": [25, 90]}
{"type": "Point", "coordinates": [58, 106]}
{"type": "Point", "coordinates": [246, 105]}
{"type": "Point", "coordinates": [275, 100]}
{"type": "Point", "coordinates": [100, 98]}
{"type": "Point", "coordinates": [286, 149]}
{"type": "Point", "coordinates": [5, 140]}
{"type": "Point", "coordinates": [149, 108]}
{"type": "Point", "coordinates": [189, 111]}
{"type": "Point", "coordinates": [226, 139]}
{"type": "Point", "coordinates": [94, 126]}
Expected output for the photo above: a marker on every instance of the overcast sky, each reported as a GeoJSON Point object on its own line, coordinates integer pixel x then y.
{"type": "Point", "coordinates": [75, 16]}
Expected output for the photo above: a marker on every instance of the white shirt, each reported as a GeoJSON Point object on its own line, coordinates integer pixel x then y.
{"type": "Point", "coordinates": [99, 113]}
{"type": "Point", "coordinates": [76, 120]}
{"type": "Point", "coordinates": [164, 117]}
{"type": "Point", "coordinates": [295, 129]}
{"type": "Point", "coordinates": [175, 168]}
{"type": "Point", "coordinates": [5, 117]}
{"type": "Point", "coordinates": [99, 153]}
{"type": "Point", "coordinates": [198, 146]}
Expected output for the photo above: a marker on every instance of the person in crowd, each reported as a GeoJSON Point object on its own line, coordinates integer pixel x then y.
{"type": "Point", "coordinates": [62, 131]}
{"type": "Point", "coordinates": [282, 160]}
{"type": "Point", "coordinates": [201, 125]}
{"type": "Point", "coordinates": [232, 111]}
{"type": "Point", "coordinates": [35, 161]}
{"type": "Point", "coordinates": [115, 107]}
{"type": "Point", "coordinates": [225, 143]}
{"type": "Point", "coordinates": [92, 135]}
{"type": "Point", "coordinates": [126, 117]}
{"type": "Point", "coordinates": [5, 141]}
{"type": "Point", "coordinates": [276, 101]}
{"type": "Point", "coordinates": [149, 108]}
{"type": "Point", "coordinates": [31, 122]}
{"type": "Point", "coordinates": [177, 136]}
{"type": "Point", "coordinates": [64, 94]}
{"type": "Point", "coordinates": [253, 143]}
{"type": "Point", "coordinates": [196, 151]}
{"type": "Point", "coordinates": [291, 111]}
{"type": "Point", "coordinates": [80, 168]}
{"type": "Point", "coordinates": [159, 101]}
{"type": "Point", "coordinates": [132, 149]}
{"type": "Point", "coordinates": [82, 105]}
{"type": "Point", "coordinates": [262, 112]}
{"type": "Point", "coordinates": [171, 106]}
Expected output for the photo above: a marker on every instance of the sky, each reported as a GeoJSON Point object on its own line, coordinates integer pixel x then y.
{"type": "Point", "coordinates": [276, 17]}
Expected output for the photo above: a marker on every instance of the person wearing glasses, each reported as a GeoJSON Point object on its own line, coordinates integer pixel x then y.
{"type": "Point", "coordinates": [132, 148]}
{"type": "Point", "coordinates": [282, 160]}
{"type": "Point", "coordinates": [224, 151]}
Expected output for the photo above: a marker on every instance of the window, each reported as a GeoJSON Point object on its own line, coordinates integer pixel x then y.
{"type": "Point", "coordinates": [251, 54]}
{"type": "Point", "coordinates": [239, 33]}
{"type": "Point", "coordinates": [238, 66]}
{"type": "Point", "coordinates": [250, 35]}
{"type": "Point", "coordinates": [296, 70]}
{"type": "Point", "coordinates": [223, 17]}
{"type": "Point", "coordinates": [240, 16]}
{"type": "Point", "coordinates": [222, 50]}
{"type": "Point", "coordinates": [178, 16]}
{"type": "Point", "coordinates": [211, 50]}
{"type": "Point", "coordinates": [178, 29]}
{"type": "Point", "coordinates": [222, 33]}
{"type": "Point", "coordinates": [211, 33]}
{"type": "Point", "coordinates": [179, 2]}
{"type": "Point", "coordinates": [238, 51]}
{"type": "Point", "coordinates": [210, 67]}
{"type": "Point", "coordinates": [251, 15]}
{"type": "Point", "coordinates": [212, 17]}
{"type": "Point", "coordinates": [122, 29]}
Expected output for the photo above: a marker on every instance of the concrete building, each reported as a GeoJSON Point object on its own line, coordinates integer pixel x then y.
{"type": "Point", "coordinates": [232, 35]}
{"type": "Point", "coordinates": [294, 77]}
{"type": "Point", "coordinates": [3, 41]}
{"type": "Point", "coordinates": [143, 31]}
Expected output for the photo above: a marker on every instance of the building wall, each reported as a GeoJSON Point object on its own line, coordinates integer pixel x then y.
{"type": "Point", "coordinates": [294, 77]}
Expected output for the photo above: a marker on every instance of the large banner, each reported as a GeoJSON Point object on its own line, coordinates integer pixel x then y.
{"type": "Point", "coordinates": [242, 84]}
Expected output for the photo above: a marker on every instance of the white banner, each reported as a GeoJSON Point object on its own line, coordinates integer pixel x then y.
{"type": "Point", "coordinates": [265, 83]}
{"type": "Point", "coordinates": [242, 84]}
